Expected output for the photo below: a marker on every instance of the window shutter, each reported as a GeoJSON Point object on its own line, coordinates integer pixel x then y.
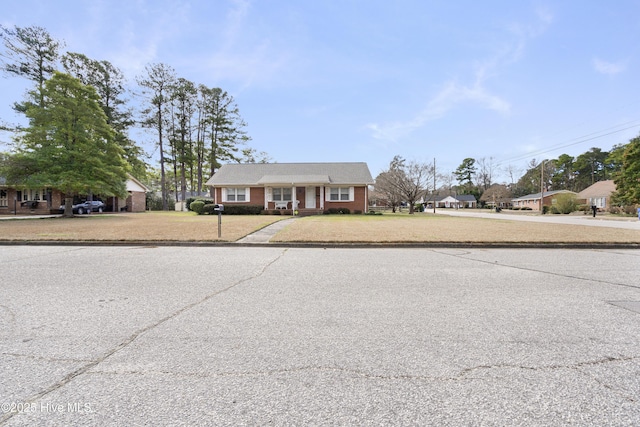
{"type": "Point", "coordinates": [224, 194]}
{"type": "Point", "coordinates": [269, 194]}
{"type": "Point", "coordinates": [247, 194]}
{"type": "Point", "coordinates": [327, 194]}
{"type": "Point", "coordinates": [351, 194]}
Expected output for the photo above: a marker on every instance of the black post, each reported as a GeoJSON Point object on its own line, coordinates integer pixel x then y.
{"type": "Point", "coordinates": [219, 224]}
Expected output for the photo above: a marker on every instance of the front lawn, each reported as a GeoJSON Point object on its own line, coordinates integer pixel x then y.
{"type": "Point", "coordinates": [147, 226]}
{"type": "Point", "coordinates": [422, 227]}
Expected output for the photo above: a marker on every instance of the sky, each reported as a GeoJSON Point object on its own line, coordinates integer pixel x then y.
{"type": "Point", "coordinates": [365, 80]}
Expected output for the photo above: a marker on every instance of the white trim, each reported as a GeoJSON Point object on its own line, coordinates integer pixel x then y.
{"type": "Point", "coordinates": [225, 194]}
{"type": "Point", "coordinates": [340, 192]}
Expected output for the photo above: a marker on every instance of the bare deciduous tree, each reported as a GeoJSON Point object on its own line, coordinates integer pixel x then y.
{"type": "Point", "coordinates": [405, 181]}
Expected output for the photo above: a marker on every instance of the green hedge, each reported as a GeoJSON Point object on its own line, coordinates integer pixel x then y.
{"type": "Point", "coordinates": [334, 211]}
{"type": "Point", "coordinates": [196, 206]}
{"type": "Point", "coordinates": [234, 209]}
{"type": "Point", "coordinates": [205, 200]}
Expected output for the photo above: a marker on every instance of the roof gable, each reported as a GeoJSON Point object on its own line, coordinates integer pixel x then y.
{"type": "Point", "coordinates": [261, 174]}
{"type": "Point", "coordinates": [546, 194]}
{"type": "Point", "coordinates": [599, 189]}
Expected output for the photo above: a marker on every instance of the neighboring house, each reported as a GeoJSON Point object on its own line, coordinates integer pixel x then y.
{"type": "Point", "coordinates": [532, 201]}
{"type": "Point", "coordinates": [306, 187]}
{"type": "Point", "coordinates": [497, 196]}
{"type": "Point", "coordinates": [458, 201]}
{"type": "Point", "coordinates": [598, 194]}
{"type": "Point", "coordinates": [16, 200]}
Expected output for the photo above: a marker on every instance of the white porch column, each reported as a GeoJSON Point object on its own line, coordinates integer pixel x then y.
{"type": "Point", "coordinates": [322, 197]}
{"type": "Point", "coordinates": [294, 196]}
{"type": "Point", "coordinates": [266, 198]}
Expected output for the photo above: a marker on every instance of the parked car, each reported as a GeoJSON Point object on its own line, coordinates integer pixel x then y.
{"type": "Point", "coordinates": [82, 208]}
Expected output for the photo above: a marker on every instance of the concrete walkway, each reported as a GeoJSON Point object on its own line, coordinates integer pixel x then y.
{"type": "Point", "coordinates": [599, 221]}
{"type": "Point", "coordinates": [265, 234]}
{"type": "Point", "coordinates": [14, 217]}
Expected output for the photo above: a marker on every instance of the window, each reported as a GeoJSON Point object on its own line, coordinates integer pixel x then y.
{"type": "Point", "coordinates": [236, 194]}
{"type": "Point", "coordinates": [282, 194]}
{"type": "Point", "coordinates": [341, 194]}
{"type": "Point", "coordinates": [4, 201]}
{"type": "Point", "coordinates": [31, 195]}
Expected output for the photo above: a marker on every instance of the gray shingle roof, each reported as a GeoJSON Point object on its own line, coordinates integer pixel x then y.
{"type": "Point", "coordinates": [259, 174]}
{"type": "Point", "coordinates": [546, 194]}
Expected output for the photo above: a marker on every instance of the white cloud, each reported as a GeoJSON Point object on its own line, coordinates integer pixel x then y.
{"type": "Point", "coordinates": [451, 95]}
{"type": "Point", "coordinates": [454, 94]}
{"type": "Point", "coordinates": [610, 68]}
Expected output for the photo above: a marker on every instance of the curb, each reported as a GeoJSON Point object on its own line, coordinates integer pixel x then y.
{"type": "Point", "coordinates": [325, 245]}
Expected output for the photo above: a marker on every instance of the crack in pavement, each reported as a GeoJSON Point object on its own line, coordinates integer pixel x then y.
{"type": "Point", "coordinates": [551, 273]}
{"type": "Point", "coordinates": [461, 375]}
{"type": "Point", "coordinates": [126, 342]}
{"type": "Point", "coordinates": [46, 359]}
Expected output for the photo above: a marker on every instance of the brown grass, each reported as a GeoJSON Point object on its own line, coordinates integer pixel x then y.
{"type": "Point", "coordinates": [148, 226]}
{"type": "Point", "coordinates": [187, 226]}
{"type": "Point", "coordinates": [440, 228]}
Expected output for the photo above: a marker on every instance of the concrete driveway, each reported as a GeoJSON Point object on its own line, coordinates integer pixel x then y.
{"type": "Point", "coordinates": [252, 336]}
{"type": "Point", "coordinates": [598, 221]}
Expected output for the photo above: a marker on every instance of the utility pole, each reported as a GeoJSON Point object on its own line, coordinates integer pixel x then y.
{"type": "Point", "coordinates": [542, 188]}
{"type": "Point", "coordinates": [434, 186]}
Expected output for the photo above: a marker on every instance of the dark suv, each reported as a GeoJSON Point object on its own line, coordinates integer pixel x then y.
{"type": "Point", "coordinates": [81, 208]}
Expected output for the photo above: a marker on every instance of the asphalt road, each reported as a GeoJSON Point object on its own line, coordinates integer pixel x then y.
{"type": "Point", "coordinates": [254, 336]}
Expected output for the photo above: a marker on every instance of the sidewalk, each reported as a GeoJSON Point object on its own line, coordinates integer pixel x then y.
{"type": "Point", "coordinates": [8, 217]}
{"type": "Point", "coordinates": [265, 234]}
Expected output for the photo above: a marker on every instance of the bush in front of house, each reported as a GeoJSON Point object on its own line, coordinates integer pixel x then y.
{"type": "Point", "coordinates": [234, 209]}
{"type": "Point", "coordinates": [565, 204]}
{"type": "Point", "coordinates": [196, 206]}
{"type": "Point", "coordinates": [336, 211]}
{"type": "Point", "coordinates": [205, 200]}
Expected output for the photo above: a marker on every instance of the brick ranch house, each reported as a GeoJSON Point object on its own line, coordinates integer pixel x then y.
{"type": "Point", "coordinates": [307, 187]}
{"type": "Point", "coordinates": [598, 195]}
{"type": "Point", "coordinates": [23, 201]}
{"type": "Point", "coordinates": [532, 201]}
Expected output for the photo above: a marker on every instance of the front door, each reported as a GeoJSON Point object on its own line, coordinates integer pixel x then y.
{"type": "Point", "coordinates": [310, 198]}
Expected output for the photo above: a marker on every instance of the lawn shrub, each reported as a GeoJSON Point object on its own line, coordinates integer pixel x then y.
{"type": "Point", "coordinates": [566, 203]}
{"type": "Point", "coordinates": [196, 206]}
{"type": "Point", "coordinates": [205, 200]}
{"type": "Point", "coordinates": [234, 210]}
{"type": "Point", "coordinates": [526, 208]}
{"type": "Point", "coordinates": [335, 211]}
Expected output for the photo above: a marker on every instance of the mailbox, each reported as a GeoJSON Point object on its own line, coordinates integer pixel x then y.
{"type": "Point", "coordinates": [218, 208]}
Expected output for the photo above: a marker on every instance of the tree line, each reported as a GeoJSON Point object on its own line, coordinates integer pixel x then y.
{"type": "Point", "coordinates": [196, 127]}
{"type": "Point", "coordinates": [410, 181]}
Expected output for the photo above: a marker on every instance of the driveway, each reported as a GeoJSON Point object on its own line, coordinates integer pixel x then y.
{"type": "Point", "coordinates": [598, 221]}
{"type": "Point", "coordinates": [169, 336]}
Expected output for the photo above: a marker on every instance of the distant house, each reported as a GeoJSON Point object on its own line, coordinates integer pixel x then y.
{"type": "Point", "coordinates": [497, 196]}
{"type": "Point", "coordinates": [306, 187]}
{"type": "Point", "coordinates": [598, 194]}
{"type": "Point", "coordinates": [22, 201]}
{"type": "Point", "coordinates": [532, 201]}
{"type": "Point", "coordinates": [458, 201]}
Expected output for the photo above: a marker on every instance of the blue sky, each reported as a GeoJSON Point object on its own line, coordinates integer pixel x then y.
{"type": "Point", "coordinates": [347, 80]}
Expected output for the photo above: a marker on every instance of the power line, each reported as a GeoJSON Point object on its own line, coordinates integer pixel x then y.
{"type": "Point", "coordinates": [580, 140]}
